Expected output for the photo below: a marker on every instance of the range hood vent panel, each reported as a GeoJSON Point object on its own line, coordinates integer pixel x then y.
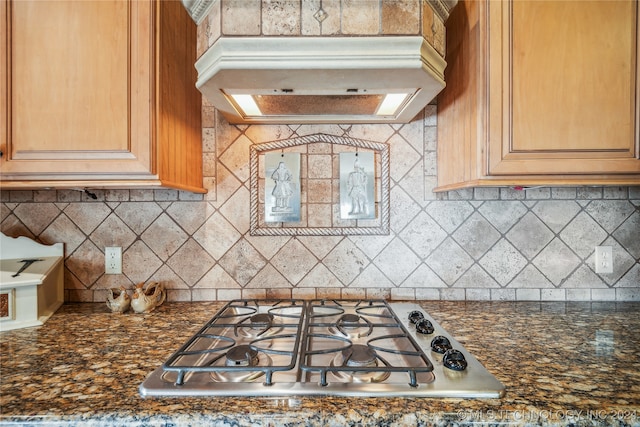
{"type": "Point", "coordinates": [301, 77]}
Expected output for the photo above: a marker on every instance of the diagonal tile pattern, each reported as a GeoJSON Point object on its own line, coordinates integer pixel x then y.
{"type": "Point", "coordinates": [503, 262]}
{"type": "Point", "coordinates": [485, 243]}
{"type": "Point", "coordinates": [464, 244]}
{"type": "Point", "coordinates": [529, 235]}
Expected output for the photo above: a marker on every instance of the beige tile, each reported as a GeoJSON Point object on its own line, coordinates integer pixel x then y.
{"type": "Point", "coordinates": [319, 215]}
{"type": "Point", "coordinates": [77, 295]}
{"type": "Point", "coordinates": [309, 25]}
{"type": "Point", "coordinates": [62, 229]}
{"type": "Point", "coordinates": [86, 263]}
{"type": "Point", "coordinates": [319, 190]}
{"type": "Point", "coordinates": [190, 262]}
{"type": "Point", "coordinates": [37, 216]}
{"type": "Point", "coordinates": [379, 293]}
{"type": "Point", "coordinates": [253, 293]}
{"type": "Point", "coordinates": [371, 276]}
{"type": "Point", "coordinates": [304, 293]}
{"type": "Point", "coordinates": [112, 232]}
{"type": "Point", "coordinates": [268, 278]}
{"type": "Point", "coordinates": [45, 196]}
{"type": "Point", "coordinates": [229, 294]}
{"type": "Point", "coordinates": [408, 294]}
{"type": "Point", "coordinates": [210, 29]}
{"type": "Point", "coordinates": [439, 36]}
{"type": "Point", "coordinates": [401, 17]}
{"type": "Point", "coordinates": [320, 166]}
{"type": "Point", "coordinates": [279, 293]}
{"type": "Point", "coordinates": [329, 293]}
{"type": "Point", "coordinates": [190, 215]}
{"type": "Point", "coordinates": [427, 22]}
{"type": "Point", "coordinates": [140, 263]}
{"type": "Point", "coordinates": [164, 237]}
{"type": "Point", "coordinates": [87, 216]}
{"type": "Point", "coordinates": [281, 17]}
{"type": "Point", "coordinates": [350, 293]}
{"type": "Point", "coordinates": [178, 295]}
{"type": "Point", "coordinates": [240, 17]}
{"type": "Point", "coordinates": [361, 17]}
{"type": "Point", "coordinates": [294, 261]}
{"type": "Point", "coordinates": [216, 278]}
{"type": "Point", "coordinates": [423, 294]}
{"type": "Point", "coordinates": [203, 295]}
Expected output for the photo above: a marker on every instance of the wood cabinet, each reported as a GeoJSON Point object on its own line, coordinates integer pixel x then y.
{"type": "Point", "coordinates": [99, 94]}
{"type": "Point", "coordinates": [540, 93]}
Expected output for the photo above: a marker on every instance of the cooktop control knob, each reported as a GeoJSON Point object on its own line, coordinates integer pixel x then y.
{"type": "Point", "coordinates": [454, 360]}
{"type": "Point", "coordinates": [415, 315]}
{"type": "Point", "coordinates": [424, 326]}
{"type": "Point", "coordinates": [440, 344]}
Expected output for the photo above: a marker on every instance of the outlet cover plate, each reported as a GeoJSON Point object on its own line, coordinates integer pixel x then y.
{"type": "Point", "coordinates": [113, 260]}
{"type": "Point", "coordinates": [604, 260]}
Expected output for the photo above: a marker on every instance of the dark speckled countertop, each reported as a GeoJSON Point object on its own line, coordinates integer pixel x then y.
{"type": "Point", "coordinates": [562, 364]}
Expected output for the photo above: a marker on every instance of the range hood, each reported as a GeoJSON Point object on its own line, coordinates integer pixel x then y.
{"type": "Point", "coordinates": [292, 80]}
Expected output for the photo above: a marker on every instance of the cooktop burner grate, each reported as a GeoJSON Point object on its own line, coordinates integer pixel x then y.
{"type": "Point", "coordinates": [245, 336]}
{"type": "Point", "coordinates": [350, 330]}
{"type": "Point", "coordinates": [280, 348]}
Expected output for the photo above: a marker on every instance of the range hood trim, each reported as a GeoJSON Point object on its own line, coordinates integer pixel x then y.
{"type": "Point", "coordinates": [317, 64]}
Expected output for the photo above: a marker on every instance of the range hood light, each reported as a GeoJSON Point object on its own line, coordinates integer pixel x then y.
{"type": "Point", "coordinates": [247, 104]}
{"type": "Point", "coordinates": [391, 103]}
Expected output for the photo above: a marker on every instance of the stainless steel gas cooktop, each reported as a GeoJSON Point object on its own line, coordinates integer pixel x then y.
{"type": "Point", "coordinates": [322, 347]}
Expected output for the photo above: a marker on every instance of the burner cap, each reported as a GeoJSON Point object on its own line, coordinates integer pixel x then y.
{"type": "Point", "coordinates": [242, 355]}
{"type": "Point", "coordinates": [424, 326]}
{"type": "Point", "coordinates": [454, 360]}
{"type": "Point", "coordinates": [415, 315]}
{"type": "Point", "coordinates": [359, 355]}
{"type": "Point", "coordinates": [349, 320]}
{"type": "Point", "coordinates": [261, 320]}
{"type": "Point", "coordinates": [440, 344]}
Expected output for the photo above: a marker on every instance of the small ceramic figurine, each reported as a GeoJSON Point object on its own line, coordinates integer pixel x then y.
{"type": "Point", "coordinates": [118, 300]}
{"type": "Point", "coordinates": [147, 298]}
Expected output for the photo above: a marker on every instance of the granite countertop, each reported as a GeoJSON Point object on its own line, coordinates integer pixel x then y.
{"type": "Point", "coordinates": [561, 363]}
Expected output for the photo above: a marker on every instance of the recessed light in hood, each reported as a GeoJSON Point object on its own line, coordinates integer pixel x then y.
{"type": "Point", "coordinates": [320, 79]}
{"type": "Point", "coordinates": [290, 103]}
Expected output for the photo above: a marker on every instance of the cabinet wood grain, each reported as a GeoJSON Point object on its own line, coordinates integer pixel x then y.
{"type": "Point", "coordinates": [540, 93]}
{"type": "Point", "coordinates": [99, 94]}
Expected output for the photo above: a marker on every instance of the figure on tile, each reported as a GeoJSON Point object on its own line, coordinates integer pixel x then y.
{"type": "Point", "coordinates": [357, 187]}
{"type": "Point", "coordinates": [282, 191]}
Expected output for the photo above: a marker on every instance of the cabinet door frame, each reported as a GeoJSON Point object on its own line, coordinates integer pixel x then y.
{"type": "Point", "coordinates": [136, 161]}
{"type": "Point", "coordinates": [502, 158]}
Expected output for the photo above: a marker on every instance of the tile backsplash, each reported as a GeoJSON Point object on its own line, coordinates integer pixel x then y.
{"type": "Point", "coordinates": [480, 244]}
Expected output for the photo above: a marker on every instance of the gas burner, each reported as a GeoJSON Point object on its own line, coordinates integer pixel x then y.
{"type": "Point", "coordinates": [424, 326]}
{"type": "Point", "coordinates": [358, 356]}
{"type": "Point", "coordinates": [242, 357]}
{"type": "Point", "coordinates": [415, 316]}
{"type": "Point", "coordinates": [440, 344]}
{"type": "Point", "coordinates": [352, 326]}
{"type": "Point", "coordinates": [256, 325]}
{"type": "Point", "coordinates": [261, 320]}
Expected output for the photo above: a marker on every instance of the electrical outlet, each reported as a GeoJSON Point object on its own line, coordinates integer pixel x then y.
{"type": "Point", "coordinates": [604, 260]}
{"type": "Point", "coordinates": [113, 260]}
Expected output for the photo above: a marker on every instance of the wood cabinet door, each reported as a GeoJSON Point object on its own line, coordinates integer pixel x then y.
{"type": "Point", "coordinates": [563, 87]}
{"type": "Point", "coordinates": [76, 89]}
